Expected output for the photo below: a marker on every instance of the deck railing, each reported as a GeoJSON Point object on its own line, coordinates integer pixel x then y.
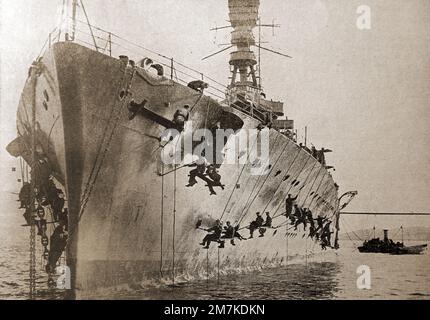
{"type": "Point", "coordinates": [113, 45]}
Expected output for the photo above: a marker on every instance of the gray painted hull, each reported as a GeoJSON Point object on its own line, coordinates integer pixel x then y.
{"type": "Point", "coordinates": [138, 228]}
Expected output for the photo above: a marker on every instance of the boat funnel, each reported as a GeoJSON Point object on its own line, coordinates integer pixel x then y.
{"type": "Point", "coordinates": [385, 235]}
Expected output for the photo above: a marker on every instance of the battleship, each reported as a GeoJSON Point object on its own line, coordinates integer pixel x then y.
{"type": "Point", "coordinates": [91, 121]}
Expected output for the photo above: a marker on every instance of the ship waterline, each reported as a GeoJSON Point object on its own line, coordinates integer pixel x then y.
{"type": "Point", "coordinates": [131, 225]}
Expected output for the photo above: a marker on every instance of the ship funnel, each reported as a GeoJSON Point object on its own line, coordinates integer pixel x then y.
{"type": "Point", "coordinates": [385, 235]}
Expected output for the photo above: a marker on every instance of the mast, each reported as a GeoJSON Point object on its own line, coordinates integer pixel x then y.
{"type": "Point", "coordinates": [243, 18]}
{"type": "Point", "coordinates": [401, 227]}
{"type": "Point", "coordinates": [74, 11]}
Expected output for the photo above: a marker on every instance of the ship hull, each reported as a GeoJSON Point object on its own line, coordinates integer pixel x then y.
{"type": "Point", "coordinates": [130, 226]}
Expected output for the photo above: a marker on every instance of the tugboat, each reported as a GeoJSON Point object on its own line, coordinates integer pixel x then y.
{"type": "Point", "coordinates": [387, 245]}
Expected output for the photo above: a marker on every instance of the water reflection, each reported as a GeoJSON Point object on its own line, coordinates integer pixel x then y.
{"type": "Point", "coordinates": [299, 281]}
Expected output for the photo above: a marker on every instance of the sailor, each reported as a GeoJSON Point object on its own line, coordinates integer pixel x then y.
{"type": "Point", "coordinates": [312, 231]}
{"type": "Point", "coordinates": [64, 218]}
{"type": "Point", "coordinates": [215, 177]}
{"type": "Point", "coordinates": [41, 175]}
{"type": "Point", "coordinates": [289, 202]}
{"type": "Point", "coordinates": [237, 234]}
{"type": "Point", "coordinates": [214, 236]}
{"type": "Point", "coordinates": [51, 191]}
{"type": "Point", "coordinates": [321, 155]}
{"type": "Point", "coordinates": [28, 216]}
{"type": "Point", "coordinates": [326, 234]}
{"type": "Point", "coordinates": [320, 222]}
{"type": "Point", "coordinates": [314, 152]}
{"type": "Point", "coordinates": [268, 222]}
{"type": "Point", "coordinates": [25, 195]}
{"type": "Point", "coordinates": [295, 215]}
{"type": "Point", "coordinates": [256, 224]}
{"type": "Point", "coordinates": [180, 117]}
{"type": "Point", "coordinates": [200, 165]}
{"type": "Point", "coordinates": [40, 221]}
{"type": "Point", "coordinates": [198, 85]}
{"type": "Point", "coordinates": [228, 234]}
{"type": "Point", "coordinates": [301, 217]}
{"type": "Point", "coordinates": [58, 243]}
{"type": "Point", "coordinates": [58, 205]}
{"type": "Point", "coordinates": [308, 217]}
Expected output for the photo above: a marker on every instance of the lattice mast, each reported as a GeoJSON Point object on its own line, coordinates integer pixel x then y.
{"type": "Point", "coordinates": [243, 18]}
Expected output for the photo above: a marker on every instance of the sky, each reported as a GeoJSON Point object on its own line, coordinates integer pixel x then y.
{"type": "Point", "coordinates": [363, 93]}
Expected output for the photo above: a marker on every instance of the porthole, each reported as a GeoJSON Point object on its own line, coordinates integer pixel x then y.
{"type": "Point", "coordinates": [46, 95]}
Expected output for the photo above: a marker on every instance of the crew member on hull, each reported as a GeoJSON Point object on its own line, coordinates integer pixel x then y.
{"type": "Point", "coordinates": [58, 242]}
{"type": "Point", "coordinates": [58, 205]}
{"type": "Point", "coordinates": [267, 224]}
{"type": "Point", "coordinates": [199, 171]}
{"type": "Point", "coordinates": [206, 172]}
{"type": "Point", "coordinates": [237, 234]}
{"type": "Point", "coordinates": [301, 218]}
{"type": "Point", "coordinates": [25, 195]}
{"type": "Point", "coordinates": [228, 234]}
{"type": "Point", "coordinates": [289, 203]}
{"type": "Point", "coordinates": [326, 236]}
{"type": "Point", "coordinates": [214, 236]}
{"type": "Point", "coordinates": [256, 224]}
{"type": "Point", "coordinates": [180, 117]}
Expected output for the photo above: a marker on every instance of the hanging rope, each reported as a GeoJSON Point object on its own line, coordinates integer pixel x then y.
{"type": "Point", "coordinates": [283, 180]}
{"type": "Point", "coordinates": [261, 187]}
{"type": "Point", "coordinates": [238, 178]}
{"type": "Point", "coordinates": [316, 191]}
{"type": "Point", "coordinates": [207, 269]}
{"type": "Point", "coordinates": [287, 236]}
{"type": "Point", "coordinates": [103, 136]}
{"type": "Point", "coordinates": [289, 189]}
{"type": "Point", "coordinates": [174, 212]}
{"type": "Point", "coordinates": [32, 270]}
{"type": "Point", "coordinates": [174, 223]}
{"type": "Point", "coordinates": [313, 183]}
{"type": "Point", "coordinates": [352, 231]}
{"type": "Point", "coordinates": [306, 251]}
{"type": "Point", "coordinates": [106, 149]}
{"type": "Point", "coordinates": [162, 221]}
{"type": "Point", "coordinates": [252, 191]}
{"type": "Point", "coordinates": [218, 269]}
{"type": "Point", "coordinates": [21, 165]}
{"type": "Point", "coordinates": [306, 180]}
{"type": "Point", "coordinates": [89, 26]}
{"type": "Point", "coordinates": [321, 198]}
{"type": "Point", "coordinates": [258, 180]}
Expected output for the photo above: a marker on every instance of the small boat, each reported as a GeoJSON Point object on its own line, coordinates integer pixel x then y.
{"type": "Point", "coordinates": [387, 245]}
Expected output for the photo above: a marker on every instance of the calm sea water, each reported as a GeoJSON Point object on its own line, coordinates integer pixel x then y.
{"type": "Point", "coordinates": [332, 277]}
{"type": "Point", "coordinates": [392, 277]}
